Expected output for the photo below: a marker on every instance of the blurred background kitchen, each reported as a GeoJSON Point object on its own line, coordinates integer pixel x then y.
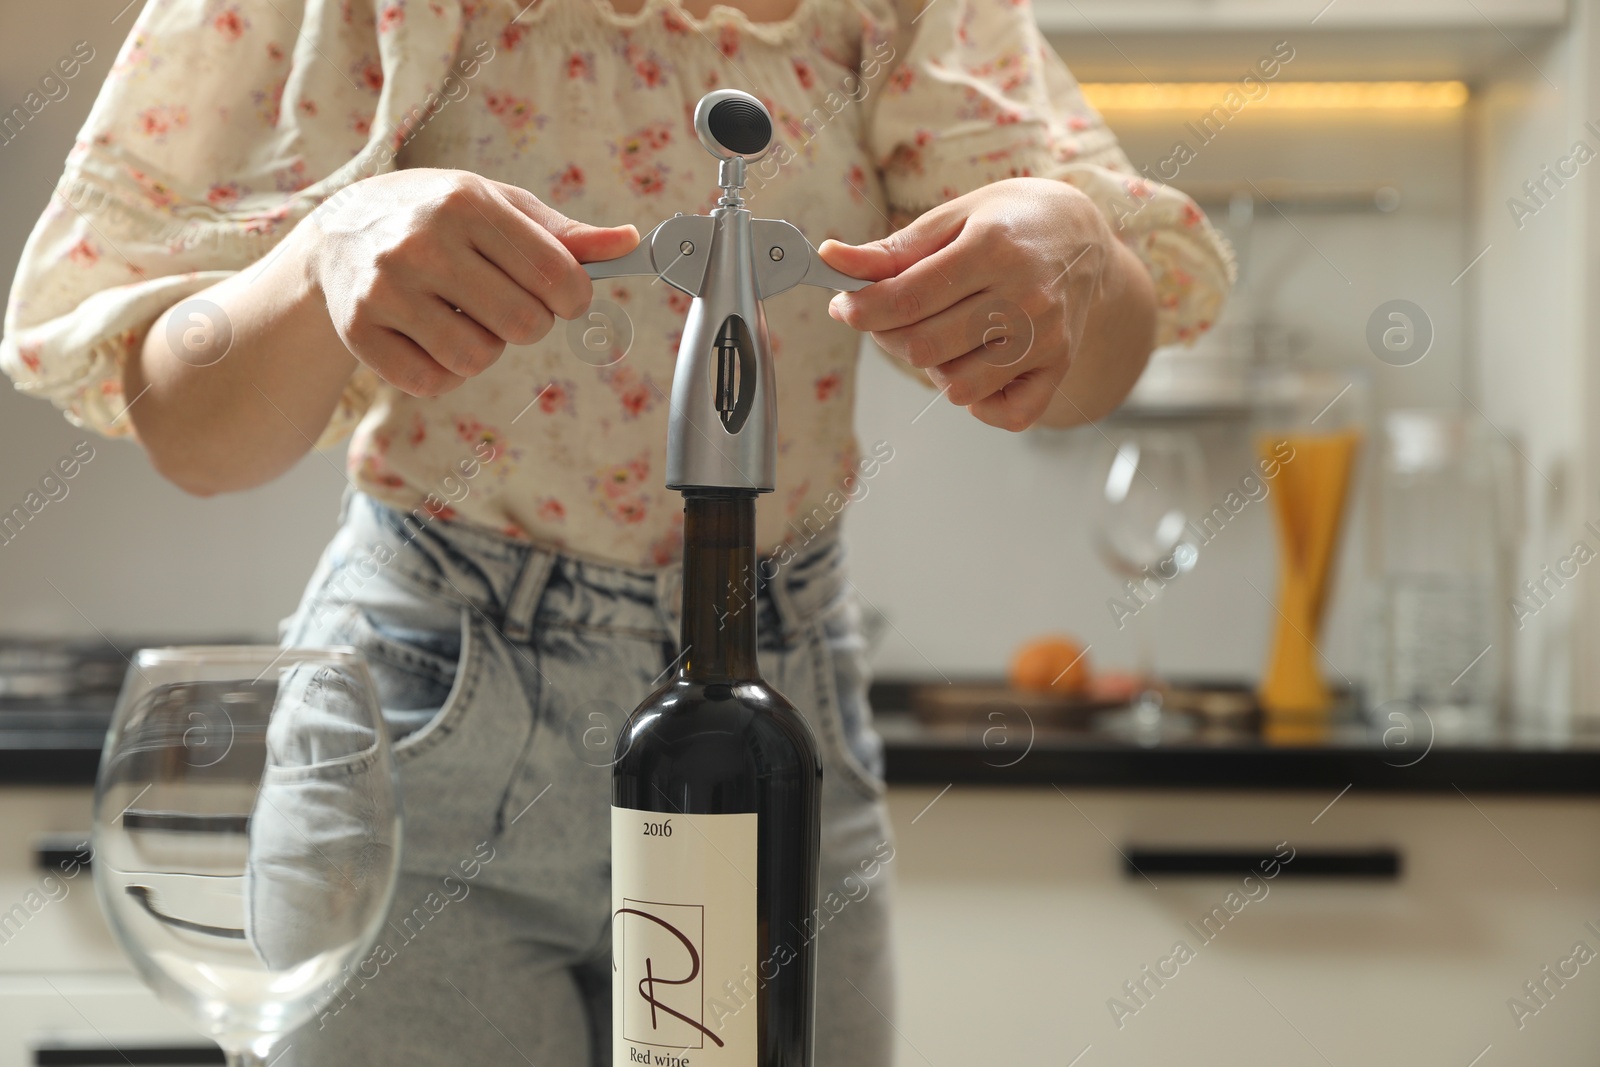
{"type": "Point", "coordinates": [1417, 234]}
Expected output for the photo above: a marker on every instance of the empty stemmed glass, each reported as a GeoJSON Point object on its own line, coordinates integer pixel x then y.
{"type": "Point", "coordinates": [246, 832]}
{"type": "Point", "coordinates": [1151, 484]}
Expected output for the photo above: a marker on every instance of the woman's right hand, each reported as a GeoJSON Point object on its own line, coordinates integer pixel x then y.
{"type": "Point", "coordinates": [429, 274]}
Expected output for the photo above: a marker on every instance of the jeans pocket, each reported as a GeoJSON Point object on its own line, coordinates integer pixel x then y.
{"type": "Point", "coordinates": [324, 831]}
{"type": "Point", "coordinates": [415, 657]}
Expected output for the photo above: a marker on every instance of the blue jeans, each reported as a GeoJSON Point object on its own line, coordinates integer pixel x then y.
{"type": "Point", "coordinates": [505, 671]}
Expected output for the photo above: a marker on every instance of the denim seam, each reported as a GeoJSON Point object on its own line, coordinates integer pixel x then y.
{"type": "Point", "coordinates": [832, 717]}
{"type": "Point", "coordinates": [426, 585]}
{"type": "Point", "coordinates": [407, 658]}
{"type": "Point", "coordinates": [457, 703]}
{"type": "Point", "coordinates": [324, 769]}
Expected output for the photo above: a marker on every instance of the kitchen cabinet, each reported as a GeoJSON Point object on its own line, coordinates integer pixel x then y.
{"type": "Point", "coordinates": [1019, 924]}
{"type": "Point", "coordinates": [63, 981]}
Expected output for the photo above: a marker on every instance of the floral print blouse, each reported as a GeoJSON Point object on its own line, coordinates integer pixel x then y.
{"type": "Point", "coordinates": [223, 123]}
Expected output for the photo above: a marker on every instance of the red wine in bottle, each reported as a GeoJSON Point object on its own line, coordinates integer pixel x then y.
{"type": "Point", "coordinates": [715, 833]}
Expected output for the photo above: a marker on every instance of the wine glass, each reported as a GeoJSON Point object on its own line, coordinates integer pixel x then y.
{"type": "Point", "coordinates": [246, 832]}
{"type": "Point", "coordinates": [1151, 494]}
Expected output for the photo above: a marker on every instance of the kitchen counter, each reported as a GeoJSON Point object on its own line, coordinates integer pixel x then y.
{"type": "Point", "coordinates": [49, 757]}
{"type": "Point", "coordinates": [1008, 747]}
{"type": "Point", "coordinates": [53, 740]}
{"type": "Point", "coordinates": [918, 754]}
{"type": "Point", "coordinates": [62, 747]}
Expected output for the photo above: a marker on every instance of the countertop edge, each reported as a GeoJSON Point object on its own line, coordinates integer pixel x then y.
{"type": "Point", "coordinates": [1552, 772]}
{"type": "Point", "coordinates": [72, 760]}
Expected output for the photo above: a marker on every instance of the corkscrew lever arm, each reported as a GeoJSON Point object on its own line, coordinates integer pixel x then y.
{"type": "Point", "coordinates": [677, 251]}
{"type": "Point", "coordinates": [783, 259]}
{"type": "Point", "coordinates": [825, 277]}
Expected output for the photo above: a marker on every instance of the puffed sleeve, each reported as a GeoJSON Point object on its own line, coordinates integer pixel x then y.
{"type": "Point", "coordinates": [220, 126]}
{"type": "Point", "coordinates": [968, 92]}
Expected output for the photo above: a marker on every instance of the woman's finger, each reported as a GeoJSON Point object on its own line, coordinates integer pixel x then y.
{"type": "Point", "coordinates": [1010, 363]}
{"type": "Point", "coordinates": [983, 320]}
{"type": "Point", "coordinates": [525, 252]}
{"type": "Point", "coordinates": [494, 301]}
{"type": "Point", "coordinates": [401, 362]}
{"type": "Point", "coordinates": [1021, 402]}
{"type": "Point", "coordinates": [454, 340]}
{"type": "Point", "coordinates": [585, 241]}
{"type": "Point", "coordinates": [938, 261]}
{"type": "Point", "coordinates": [971, 377]}
{"type": "Point", "coordinates": [939, 279]}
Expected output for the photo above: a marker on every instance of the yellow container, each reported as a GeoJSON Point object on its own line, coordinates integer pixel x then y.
{"type": "Point", "coordinates": [1309, 498]}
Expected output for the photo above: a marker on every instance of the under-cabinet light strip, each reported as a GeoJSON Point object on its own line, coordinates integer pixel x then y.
{"type": "Point", "coordinates": [1280, 96]}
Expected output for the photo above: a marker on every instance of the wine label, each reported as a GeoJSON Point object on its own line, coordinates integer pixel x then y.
{"type": "Point", "coordinates": [683, 939]}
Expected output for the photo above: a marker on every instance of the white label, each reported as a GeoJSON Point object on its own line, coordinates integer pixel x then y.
{"type": "Point", "coordinates": [683, 939]}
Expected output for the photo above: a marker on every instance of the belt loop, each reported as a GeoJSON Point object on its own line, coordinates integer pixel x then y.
{"type": "Point", "coordinates": [782, 603]}
{"type": "Point", "coordinates": [523, 602]}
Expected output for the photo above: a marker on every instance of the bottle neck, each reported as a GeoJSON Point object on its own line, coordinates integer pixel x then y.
{"type": "Point", "coordinates": [719, 586]}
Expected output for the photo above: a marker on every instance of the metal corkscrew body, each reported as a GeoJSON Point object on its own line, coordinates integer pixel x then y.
{"type": "Point", "coordinates": [722, 429]}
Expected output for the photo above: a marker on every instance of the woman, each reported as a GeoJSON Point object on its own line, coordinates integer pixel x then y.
{"type": "Point", "coordinates": [287, 221]}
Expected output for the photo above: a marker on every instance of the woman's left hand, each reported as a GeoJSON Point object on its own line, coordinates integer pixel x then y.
{"type": "Point", "coordinates": [992, 294]}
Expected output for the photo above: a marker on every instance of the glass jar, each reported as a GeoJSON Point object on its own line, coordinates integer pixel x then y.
{"type": "Point", "coordinates": [1438, 555]}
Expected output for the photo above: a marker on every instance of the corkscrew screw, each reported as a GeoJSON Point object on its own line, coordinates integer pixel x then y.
{"type": "Point", "coordinates": [722, 430]}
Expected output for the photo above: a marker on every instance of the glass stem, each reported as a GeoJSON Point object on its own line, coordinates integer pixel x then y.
{"type": "Point", "coordinates": [253, 1055]}
{"type": "Point", "coordinates": [1145, 664]}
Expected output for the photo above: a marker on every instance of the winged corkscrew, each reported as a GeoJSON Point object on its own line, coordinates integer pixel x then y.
{"type": "Point", "coordinates": [722, 430]}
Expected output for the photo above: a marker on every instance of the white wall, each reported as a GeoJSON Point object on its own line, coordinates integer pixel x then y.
{"type": "Point", "coordinates": [125, 553]}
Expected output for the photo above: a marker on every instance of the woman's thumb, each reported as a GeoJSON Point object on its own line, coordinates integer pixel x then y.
{"type": "Point", "coordinates": [889, 256]}
{"type": "Point", "coordinates": [870, 261]}
{"type": "Point", "coordinates": [590, 243]}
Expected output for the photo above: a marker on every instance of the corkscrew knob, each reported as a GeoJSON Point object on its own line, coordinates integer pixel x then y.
{"type": "Point", "coordinates": [732, 124]}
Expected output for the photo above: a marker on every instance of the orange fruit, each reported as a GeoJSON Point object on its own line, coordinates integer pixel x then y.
{"type": "Point", "coordinates": [1054, 664]}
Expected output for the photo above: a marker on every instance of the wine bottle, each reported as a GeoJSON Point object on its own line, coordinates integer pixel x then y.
{"type": "Point", "coordinates": [715, 833]}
